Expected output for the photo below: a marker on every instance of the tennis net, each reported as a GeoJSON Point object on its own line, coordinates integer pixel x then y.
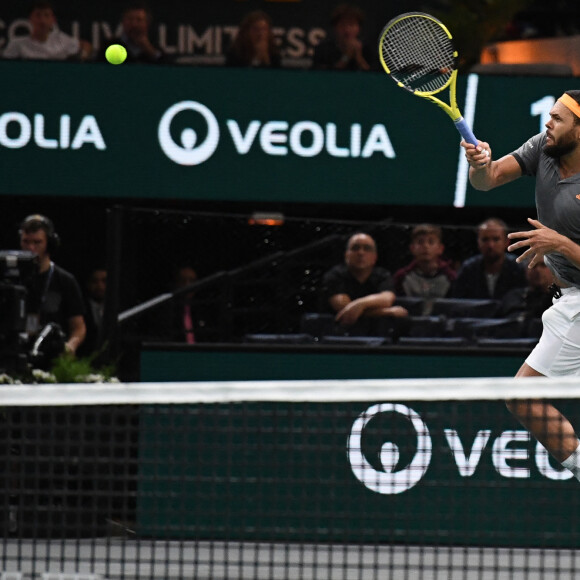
{"type": "Point", "coordinates": [336, 479]}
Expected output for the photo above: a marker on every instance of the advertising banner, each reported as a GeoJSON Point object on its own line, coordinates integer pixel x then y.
{"type": "Point", "coordinates": [438, 472]}
{"type": "Point", "coordinates": [253, 135]}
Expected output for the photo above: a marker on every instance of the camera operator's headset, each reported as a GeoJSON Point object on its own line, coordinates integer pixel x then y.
{"type": "Point", "coordinates": [43, 223]}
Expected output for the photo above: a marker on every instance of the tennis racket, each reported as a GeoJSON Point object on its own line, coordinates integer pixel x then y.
{"type": "Point", "coordinates": [416, 51]}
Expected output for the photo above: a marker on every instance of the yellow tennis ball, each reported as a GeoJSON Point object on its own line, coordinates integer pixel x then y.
{"type": "Point", "coordinates": [116, 54]}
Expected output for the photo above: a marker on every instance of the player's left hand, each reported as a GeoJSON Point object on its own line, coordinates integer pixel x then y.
{"type": "Point", "coordinates": [540, 242]}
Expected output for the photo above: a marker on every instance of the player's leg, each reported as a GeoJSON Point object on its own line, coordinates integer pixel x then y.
{"type": "Point", "coordinates": [544, 421]}
{"type": "Point", "coordinates": [557, 354]}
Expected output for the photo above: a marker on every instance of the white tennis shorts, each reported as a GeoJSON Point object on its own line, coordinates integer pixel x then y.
{"type": "Point", "coordinates": [557, 353]}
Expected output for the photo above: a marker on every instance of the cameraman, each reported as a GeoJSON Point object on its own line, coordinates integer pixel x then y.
{"type": "Point", "coordinates": [54, 295]}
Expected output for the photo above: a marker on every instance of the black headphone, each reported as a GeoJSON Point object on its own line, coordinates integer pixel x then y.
{"type": "Point", "coordinates": [36, 222]}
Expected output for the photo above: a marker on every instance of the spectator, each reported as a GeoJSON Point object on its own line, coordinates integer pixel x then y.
{"type": "Point", "coordinates": [358, 289]}
{"type": "Point", "coordinates": [176, 319]}
{"type": "Point", "coordinates": [53, 295]}
{"type": "Point", "coordinates": [94, 295]}
{"type": "Point", "coordinates": [428, 275]}
{"type": "Point", "coordinates": [46, 41]}
{"type": "Point", "coordinates": [493, 272]}
{"type": "Point", "coordinates": [531, 301]}
{"type": "Point", "coordinates": [135, 21]}
{"type": "Point", "coordinates": [345, 50]}
{"type": "Point", "coordinates": [184, 311]}
{"type": "Point", "coordinates": [254, 45]}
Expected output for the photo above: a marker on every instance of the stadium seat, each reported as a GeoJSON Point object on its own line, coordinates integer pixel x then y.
{"type": "Point", "coordinates": [356, 340]}
{"type": "Point", "coordinates": [300, 338]}
{"type": "Point", "coordinates": [390, 327]}
{"type": "Point", "coordinates": [474, 328]}
{"type": "Point", "coordinates": [414, 305]}
{"type": "Point", "coordinates": [424, 341]}
{"type": "Point", "coordinates": [321, 324]}
{"type": "Point", "coordinates": [317, 324]}
{"type": "Point", "coordinates": [521, 343]}
{"type": "Point", "coordinates": [419, 326]}
{"type": "Point", "coordinates": [465, 307]}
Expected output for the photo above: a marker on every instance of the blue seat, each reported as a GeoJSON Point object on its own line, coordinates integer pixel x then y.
{"type": "Point", "coordinates": [413, 304]}
{"type": "Point", "coordinates": [473, 328]}
{"type": "Point", "coordinates": [520, 343]}
{"type": "Point", "coordinates": [417, 326]}
{"type": "Point", "coordinates": [424, 341]}
{"type": "Point", "coordinates": [465, 307]}
{"type": "Point", "coordinates": [299, 338]}
{"type": "Point", "coordinates": [318, 324]}
{"type": "Point", "coordinates": [356, 340]}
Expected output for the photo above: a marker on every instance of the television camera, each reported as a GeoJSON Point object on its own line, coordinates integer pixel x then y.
{"type": "Point", "coordinates": [18, 270]}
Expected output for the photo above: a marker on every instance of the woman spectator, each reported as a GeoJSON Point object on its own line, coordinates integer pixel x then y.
{"type": "Point", "coordinates": [254, 45]}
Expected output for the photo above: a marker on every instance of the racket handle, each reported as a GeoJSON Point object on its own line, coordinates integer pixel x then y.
{"type": "Point", "coordinates": [465, 131]}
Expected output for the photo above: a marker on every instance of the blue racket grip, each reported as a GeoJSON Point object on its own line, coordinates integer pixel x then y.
{"type": "Point", "coordinates": [465, 131]}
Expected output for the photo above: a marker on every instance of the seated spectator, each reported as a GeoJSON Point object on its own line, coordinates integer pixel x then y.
{"type": "Point", "coordinates": [493, 272]}
{"type": "Point", "coordinates": [46, 41]}
{"type": "Point", "coordinates": [254, 45]}
{"type": "Point", "coordinates": [344, 50]}
{"type": "Point", "coordinates": [358, 290]}
{"type": "Point", "coordinates": [531, 301]}
{"type": "Point", "coordinates": [428, 275]}
{"type": "Point", "coordinates": [135, 21]}
{"type": "Point", "coordinates": [94, 295]}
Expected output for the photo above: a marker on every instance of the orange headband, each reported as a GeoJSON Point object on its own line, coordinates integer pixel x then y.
{"type": "Point", "coordinates": [570, 103]}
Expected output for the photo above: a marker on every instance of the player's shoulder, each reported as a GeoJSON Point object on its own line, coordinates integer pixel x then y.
{"type": "Point", "coordinates": [536, 142]}
{"type": "Point", "coordinates": [532, 147]}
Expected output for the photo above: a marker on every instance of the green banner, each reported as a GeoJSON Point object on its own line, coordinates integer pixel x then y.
{"type": "Point", "coordinates": [441, 472]}
{"type": "Point", "coordinates": [460, 473]}
{"type": "Point", "coordinates": [227, 364]}
{"type": "Point", "coordinates": [251, 135]}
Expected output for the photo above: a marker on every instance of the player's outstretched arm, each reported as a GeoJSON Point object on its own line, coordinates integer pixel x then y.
{"type": "Point", "coordinates": [485, 173]}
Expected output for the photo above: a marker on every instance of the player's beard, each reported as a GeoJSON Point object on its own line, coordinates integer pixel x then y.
{"type": "Point", "coordinates": [566, 145]}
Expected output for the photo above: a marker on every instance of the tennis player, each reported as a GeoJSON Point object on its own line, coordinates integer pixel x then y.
{"type": "Point", "coordinates": [553, 158]}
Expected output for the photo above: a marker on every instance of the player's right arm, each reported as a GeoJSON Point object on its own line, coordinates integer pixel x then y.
{"type": "Point", "coordinates": [486, 173]}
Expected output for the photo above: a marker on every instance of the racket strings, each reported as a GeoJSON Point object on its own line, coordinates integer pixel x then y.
{"type": "Point", "coordinates": [418, 53]}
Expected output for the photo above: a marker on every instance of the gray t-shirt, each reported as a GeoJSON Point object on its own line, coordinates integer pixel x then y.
{"type": "Point", "coordinates": [557, 202]}
{"type": "Point", "coordinates": [58, 46]}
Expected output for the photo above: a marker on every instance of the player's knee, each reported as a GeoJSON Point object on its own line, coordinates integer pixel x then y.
{"type": "Point", "coordinates": [517, 408]}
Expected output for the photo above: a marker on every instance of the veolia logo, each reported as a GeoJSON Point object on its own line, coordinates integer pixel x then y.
{"type": "Point", "coordinates": [278, 138]}
{"type": "Point", "coordinates": [188, 152]}
{"type": "Point", "coordinates": [511, 452]}
{"type": "Point", "coordinates": [390, 480]}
